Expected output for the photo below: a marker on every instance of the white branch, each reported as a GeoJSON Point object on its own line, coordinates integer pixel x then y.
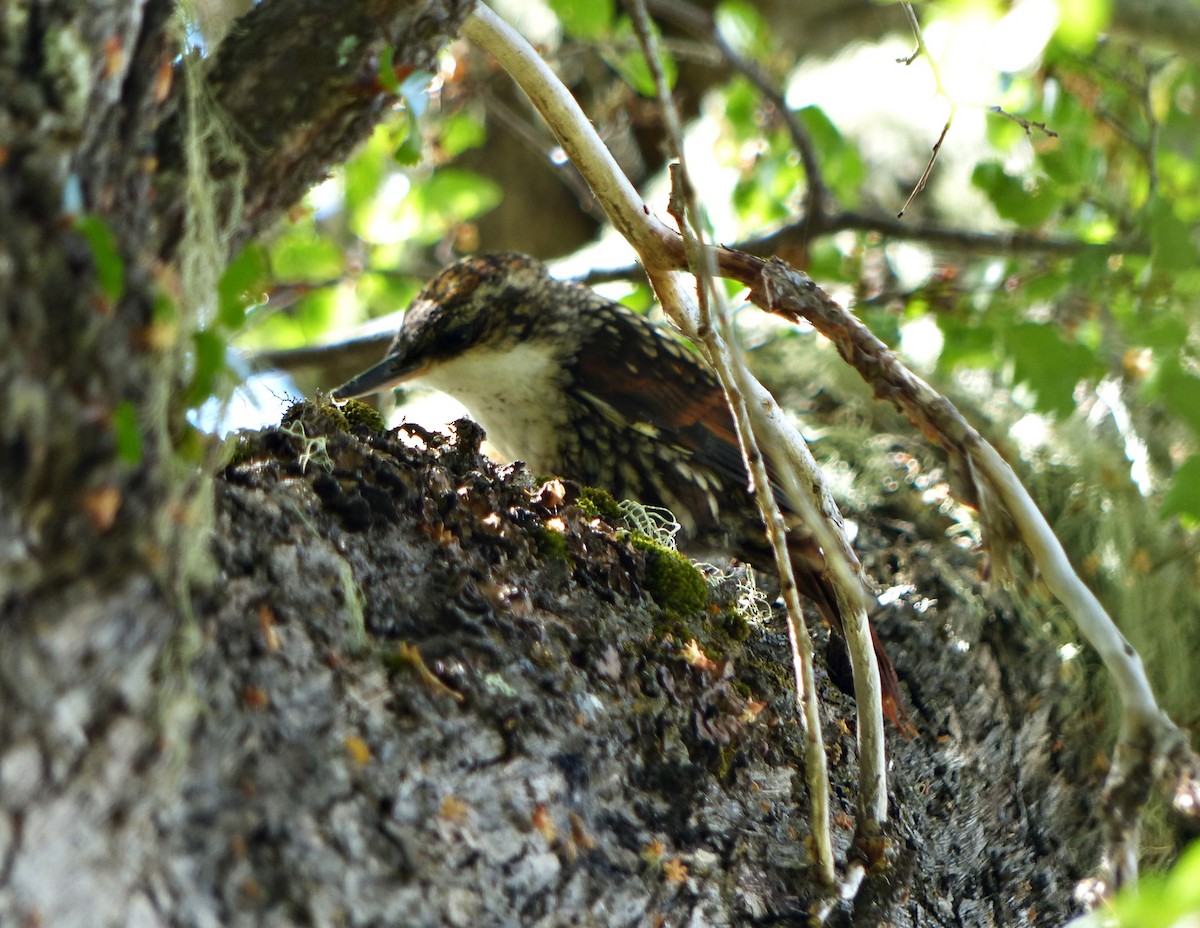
{"type": "Point", "coordinates": [1054, 568]}
{"type": "Point", "coordinates": [655, 243]}
{"type": "Point", "coordinates": [1149, 741]}
{"type": "Point", "coordinates": [806, 490]}
{"type": "Point", "coordinates": [661, 251]}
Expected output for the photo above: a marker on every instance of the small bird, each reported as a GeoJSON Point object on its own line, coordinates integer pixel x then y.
{"type": "Point", "coordinates": [580, 386]}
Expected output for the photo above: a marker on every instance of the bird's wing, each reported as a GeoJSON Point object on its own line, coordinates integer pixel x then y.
{"type": "Point", "coordinates": [673, 392]}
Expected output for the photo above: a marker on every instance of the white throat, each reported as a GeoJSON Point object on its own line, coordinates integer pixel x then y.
{"type": "Point", "coordinates": [515, 394]}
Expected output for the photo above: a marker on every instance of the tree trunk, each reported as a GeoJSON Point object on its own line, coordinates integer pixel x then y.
{"type": "Point", "coordinates": [362, 683]}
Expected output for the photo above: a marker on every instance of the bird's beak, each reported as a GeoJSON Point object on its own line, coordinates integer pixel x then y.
{"type": "Point", "coordinates": [385, 375]}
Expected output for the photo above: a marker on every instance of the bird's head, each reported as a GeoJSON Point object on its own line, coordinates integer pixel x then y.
{"type": "Point", "coordinates": [480, 306]}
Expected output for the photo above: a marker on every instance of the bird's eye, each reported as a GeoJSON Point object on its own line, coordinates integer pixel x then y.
{"type": "Point", "coordinates": [456, 340]}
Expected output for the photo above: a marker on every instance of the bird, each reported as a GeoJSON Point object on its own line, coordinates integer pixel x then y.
{"type": "Point", "coordinates": [580, 386]}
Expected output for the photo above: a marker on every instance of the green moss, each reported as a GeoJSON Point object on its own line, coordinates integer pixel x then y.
{"type": "Point", "coordinates": [672, 580]}
{"type": "Point", "coordinates": [362, 414]}
{"type": "Point", "coordinates": [599, 504]}
{"type": "Point", "coordinates": [725, 758]}
{"type": "Point", "coordinates": [551, 544]}
{"type": "Point", "coordinates": [673, 625]}
{"type": "Point", "coordinates": [733, 625]}
{"type": "Point", "coordinates": [320, 417]}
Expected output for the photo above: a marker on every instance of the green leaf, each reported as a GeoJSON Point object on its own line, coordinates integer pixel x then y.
{"type": "Point", "coordinates": [127, 432]}
{"type": "Point", "coordinates": [1089, 267]}
{"type": "Point", "coordinates": [452, 196]}
{"type": "Point", "coordinates": [461, 132]}
{"type": "Point", "coordinates": [305, 256]}
{"type": "Point", "coordinates": [740, 108]}
{"type": "Point", "coordinates": [1180, 391]}
{"type": "Point", "coordinates": [1071, 161]}
{"type": "Point", "coordinates": [1028, 203]}
{"type": "Point", "coordinates": [1163, 901]}
{"type": "Point", "coordinates": [408, 152]}
{"type": "Point", "coordinates": [841, 162]}
{"type": "Point", "coordinates": [110, 269]}
{"type": "Point", "coordinates": [1050, 365]}
{"type": "Point", "coordinates": [387, 71]}
{"type": "Point", "coordinates": [1183, 499]}
{"type": "Point", "coordinates": [585, 19]}
{"type": "Point", "coordinates": [1171, 247]}
{"type": "Point", "coordinates": [883, 323]}
{"type": "Point", "coordinates": [364, 173]}
{"type": "Point", "coordinates": [965, 345]}
{"type": "Point", "coordinates": [241, 286]}
{"type": "Point", "coordinates": [1165, 334]}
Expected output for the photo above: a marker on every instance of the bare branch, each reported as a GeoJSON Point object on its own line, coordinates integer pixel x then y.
{"type": "Point", "coordinates": [1027, 124]}
{"type": "Point", "coordinates": [712, 333]}
{"type": "Point", "coordinates": [923, 51]}
{"type": "Point", "coordinates": [1148, 737]}
{"type": "Point", "coordinates": [945, 237]}
{"type": "Point", "coordinates": [924, 178]}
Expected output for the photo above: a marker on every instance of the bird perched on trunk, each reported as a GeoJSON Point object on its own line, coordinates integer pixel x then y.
{"type": "Point", "coordinates": [580, 386]}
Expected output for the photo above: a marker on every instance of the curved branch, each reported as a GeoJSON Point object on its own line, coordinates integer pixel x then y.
{"type": "Point", "coordinates": [930, 233]}
{"type": "Point", "coordinates": [659, 247]}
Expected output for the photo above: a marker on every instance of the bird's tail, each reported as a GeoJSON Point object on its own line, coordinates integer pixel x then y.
{"type": "Point", "coordinates": [811, 581]}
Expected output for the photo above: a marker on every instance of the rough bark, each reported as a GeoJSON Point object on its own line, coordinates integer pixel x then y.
{"type": "Point", "coordinates": [94, 120]}
{"type": "Point", "coordinates": [561, 763]}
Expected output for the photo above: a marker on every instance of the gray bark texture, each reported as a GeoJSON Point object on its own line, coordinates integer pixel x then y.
{"type": "Point", "coordinates": [392, 694]}
{"type": "Point", "coordinates": [399, 704]}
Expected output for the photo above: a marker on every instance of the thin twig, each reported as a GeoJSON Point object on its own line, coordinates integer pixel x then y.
{"type": "Point", "coordinates": [1027, 124]}
{"type": "Point", "coordinates": [940, 236]}
{"type": "Point", "coordinates": [922, 50]}
{"type": "Point", "coordinates": [924, 178]}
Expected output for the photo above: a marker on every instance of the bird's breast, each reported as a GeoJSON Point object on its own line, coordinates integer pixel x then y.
{"type": "Point", "coordinates": [516, 394]}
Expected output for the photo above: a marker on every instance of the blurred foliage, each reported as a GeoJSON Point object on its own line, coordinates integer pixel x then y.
{"type": "Point", "coordinates": [1160, 900]}
{"type": "Point", "coordinates": [1089, 351]}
